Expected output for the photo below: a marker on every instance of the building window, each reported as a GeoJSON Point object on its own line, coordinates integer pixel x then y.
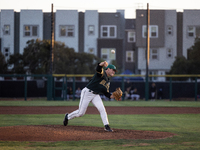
{"type": "Point", "coordinates": [70, 31]}
{"type": "Point", "coordinates": [62, 31]}
{"type": "Point", "coordinates": [30, 30]}
{"type": "Point", "coordinates": [129, 56]}
{"type": "Point", "coordinates": [6, 53]}
{"type": "Point", "coordinates": [108, 31]}
{"type": "Point", "coordinates": [91, 30]}
{"type": "Point", "coordinates": [6, 30]}
{"type": "Point", "coordinates": [34, 31]}
{"type": "Point", "coordinates": [191, 31]}
{"type": "Point", "coordinates": [169, 30]}
{"type": "Point", "coordinates": [154, 54]}
{"type": "Point", "coordinates": [67, 30]}
{"type": "Point", "coordinates": [107, 55]}
{"type": "Point", "coordinates": [91, 50]}
{"type": "Point", "coordinates": [153, 73]}
{"type": "Point", "coordinates": [169, 53]}
{"type": "Point", "coordinates": [27, 31]}
{"type": "Point", "coordinates": [153, 31]}
{"type": "Point", "coordinates": [144, 31]}
{"type": "Point", "coordinates": [104, 54]}
{"type": "Point", "coordinates": [131, 37]}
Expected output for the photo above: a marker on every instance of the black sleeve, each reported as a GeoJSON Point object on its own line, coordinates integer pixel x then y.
{"type": "Point", "coordinates": [99, 68]}
{"type": "Point", "coordinates": [107, 94]}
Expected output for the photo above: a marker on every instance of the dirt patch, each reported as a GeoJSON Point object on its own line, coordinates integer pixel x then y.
{"type": "Point", "coordinates": [73, 133]}
{"type": "Point", "coordinates": [93, 110]}
{"type": "Point", "coordinates": [76, 133]}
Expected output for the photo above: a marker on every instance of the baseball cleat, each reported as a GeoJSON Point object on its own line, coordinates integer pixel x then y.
{"type": "Point", "coordinates": [65, 121]}
{"type": "Point", "coordinates": [107, 128]}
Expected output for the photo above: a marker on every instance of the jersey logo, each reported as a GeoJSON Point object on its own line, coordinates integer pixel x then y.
{"type": "Point", "coordinates": [105, 84]}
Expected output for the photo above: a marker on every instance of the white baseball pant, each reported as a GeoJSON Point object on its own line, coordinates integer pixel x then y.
{"type": "Point", "coordinates": [86, 98]}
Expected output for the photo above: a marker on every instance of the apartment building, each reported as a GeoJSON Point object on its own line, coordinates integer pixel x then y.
{"type": "Point", "coordinates": [130, 48]}
{"type": "Point", "coordinates": [66, 28]}
{"type": "Point", "coordinates": [31, 27]}
{"type": "Point", "coordinates": [7, 32]}
{"type": "Point", "coordinates": [163, 41]}
{"type": "Point", "coordinates": [171, 34]}
{"type": "Point", "coordinates": [91, 31]}
{"type": "Point", "coordinates": [111, 36]}
{"type": "Point", "coordinates": [191, 29]}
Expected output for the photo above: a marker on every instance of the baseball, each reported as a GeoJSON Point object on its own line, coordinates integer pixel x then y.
{"type": "Point", "coordinates": [112, 51]}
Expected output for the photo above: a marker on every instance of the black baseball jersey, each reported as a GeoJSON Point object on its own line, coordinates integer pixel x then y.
{"type": "Point", "coordinates": [100, 82]}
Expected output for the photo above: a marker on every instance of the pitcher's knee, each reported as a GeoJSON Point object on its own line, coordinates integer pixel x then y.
{"type": "Point", "coordinates": [80, 114]}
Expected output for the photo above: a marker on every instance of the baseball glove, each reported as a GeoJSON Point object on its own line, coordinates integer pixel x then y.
{"type": "Point", "coordinates": [117, 94]}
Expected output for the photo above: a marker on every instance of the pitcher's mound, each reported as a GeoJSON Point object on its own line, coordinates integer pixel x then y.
{"type": "Point", "coordinates": [73, 133]}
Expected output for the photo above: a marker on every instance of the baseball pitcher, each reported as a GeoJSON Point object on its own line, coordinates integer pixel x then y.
{"type": "Point", "coordinates": [100, 83]}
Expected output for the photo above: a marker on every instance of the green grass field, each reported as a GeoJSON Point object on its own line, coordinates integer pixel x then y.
{"type": "Point", "coordinates": [186, 126]}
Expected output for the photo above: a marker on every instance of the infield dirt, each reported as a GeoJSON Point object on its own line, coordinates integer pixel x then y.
{"type": "Point", "coordinates": [76, 133]}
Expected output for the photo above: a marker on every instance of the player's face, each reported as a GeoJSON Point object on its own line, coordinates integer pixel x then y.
{"type": "Point", "coordinates": [110, 72]}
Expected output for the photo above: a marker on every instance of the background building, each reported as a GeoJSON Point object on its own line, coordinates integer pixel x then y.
{"type": "Point", "coordinates": [30, 27]}
{"type": "Point", "coordinates": [162, 33]}
{"type": "Point", "coordinates": [191, 29]}
{"type": "Point", "coordinates": [171, 34]}
{"type": "Point", "coordinates": [130, 48]}
{"type": "Point", "coordinates": [7, 32]}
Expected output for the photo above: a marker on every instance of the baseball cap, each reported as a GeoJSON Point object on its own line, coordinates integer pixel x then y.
{"type": "Point", "coordinates": [111, 67]}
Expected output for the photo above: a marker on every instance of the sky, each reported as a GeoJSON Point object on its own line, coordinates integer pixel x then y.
{"type": "Point", "coordinates": [129, 6]}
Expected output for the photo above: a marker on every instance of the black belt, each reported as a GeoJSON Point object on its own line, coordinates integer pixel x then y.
{"type": "Point", "coordinates": [93, 92]}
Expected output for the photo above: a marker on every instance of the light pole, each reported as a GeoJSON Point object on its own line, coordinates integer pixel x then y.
{"type": "Point", "coordinates": [52, 41]}
{"type": "Point", "coordinates": [147, 55]}
{"type": "Point", "coordinates": [50, 77]}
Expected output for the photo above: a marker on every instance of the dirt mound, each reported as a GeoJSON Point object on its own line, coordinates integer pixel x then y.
{"type": "Point", "coordinates": [73, 133]}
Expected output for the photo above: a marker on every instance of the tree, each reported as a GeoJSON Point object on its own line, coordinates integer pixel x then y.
{"type": "Point", "coordinates": [36, 59]}
{"type": "Point", "coordinates": [188, 66]}
{"type": "Point", "coordinates": [180, 66]}
{"type": "Point", "coordinates": [67, 61]}
{"type": "Point", "coordinates": [36, 56]}
{"type": "Point", "coordinates": [17, 62]}
{"type": "Point", "coordinates": [194, 58]}
{"type": "Point", "coordinates": [194, 51]}
{"type": "Point", "coordinates": [3, 64]}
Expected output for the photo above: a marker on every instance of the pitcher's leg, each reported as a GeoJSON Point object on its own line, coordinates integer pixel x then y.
{"type": "Point", "coordinates": [86, 97]}
{"type": "Point", "coordinates": [97, 102]}
{"type": "Point", "coordinates": [83, 104]}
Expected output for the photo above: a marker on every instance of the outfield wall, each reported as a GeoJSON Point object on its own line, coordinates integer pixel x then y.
{"type": "Point", "coordinates": [38, 88]}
